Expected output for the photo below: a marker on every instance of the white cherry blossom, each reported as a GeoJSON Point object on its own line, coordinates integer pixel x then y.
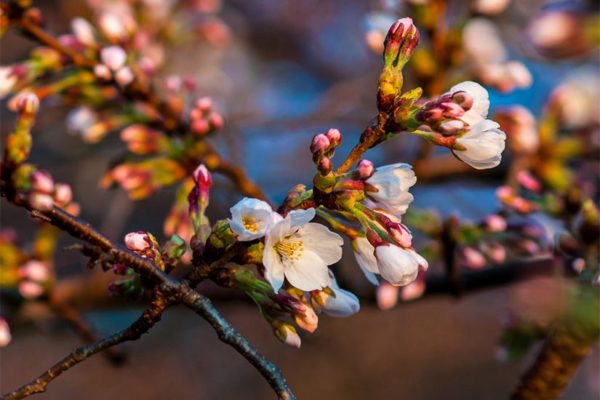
{"type": "Point", "coordinates": [392, 183]}
{"type": "Point", "coordinates": [483, 145]}
{"type": "Point", "coordinates": [252, 218]}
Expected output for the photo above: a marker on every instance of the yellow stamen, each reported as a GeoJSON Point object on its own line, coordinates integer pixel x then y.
{"type": "Point", "coordinates": [250, 223]}
{"type": "Point", "coordinates": [289, 250]}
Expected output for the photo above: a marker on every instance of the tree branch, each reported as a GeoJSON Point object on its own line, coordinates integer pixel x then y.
{"type": "Point", "coordinates": [142, 325]}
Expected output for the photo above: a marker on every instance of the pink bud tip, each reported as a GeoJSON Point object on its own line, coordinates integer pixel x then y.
{"type": "Point", "coordinates": [204, 103]}
{"type": "Point", "coordinates": [113, 57]}
{"type": "Point", "coordinates": [202, 175]}
{"type": "Point", "coordinates": [365, 169]}
{"type": "Point", "coordinates": [495, 223]}
{"type": "Point", "coordinates": [63, 194]}
{"type": "Point", "coordinates": [101, 71]}
{"type": "Point", "coordinates": [528, 181]}
{"type": "Point", "coordinates": [334, 135]}
{"type": "Point", "coordinates": [124, 76]}
{"type": "Point", "coordinates": [30, 290]}
{"type": "Point", "coordinates": [320, 143]}
{"type": "Point", "coordinates": [216, 120]}
{"type": "Point", "coordinates": [42, 182]}
{"type": "Point", "coordinates": [137, 241]}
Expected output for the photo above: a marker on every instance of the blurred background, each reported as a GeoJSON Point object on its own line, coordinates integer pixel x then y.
{"type": "Point", "coordinates": [281, 71]}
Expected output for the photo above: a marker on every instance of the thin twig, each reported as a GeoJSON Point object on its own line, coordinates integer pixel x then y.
{"type": "Point", "coordinates": [142, 325]}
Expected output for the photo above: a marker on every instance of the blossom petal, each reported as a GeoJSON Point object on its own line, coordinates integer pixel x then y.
{"type": "Point", "coordinates": [308, 273]}
{"type": "Point", "coordinates": [321, 240]}
{"type": "Point", "coordinates": [481, 98]}
{"type": "Point", "coordinates": [301, 217]}
{"type": "Point", "coordinates": [397, 266]}
{"type": "Point", "coordinates": [274, 269]}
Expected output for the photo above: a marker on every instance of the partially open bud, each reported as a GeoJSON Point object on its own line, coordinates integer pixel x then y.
{"type": "Point", "coordinates": [288, 335]}
{"type": "Point", "coordinates": [306, 318]}
{"type": "Point", "coordinates": [334, 136]}
{"type": "Point", "coordinates": [400, 42]}
{"type": "Point", "coordinates": [83, 31]}
{"type": "Point", "coordinates": [387, 296]}
{"type": "Point", "coordinates": [137, 241]}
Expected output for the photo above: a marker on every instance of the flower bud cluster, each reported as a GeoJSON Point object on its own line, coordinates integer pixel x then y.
{"type": "Point", "coordinates": [323, 148]}
{"type": "Point", "coordinates": [113, 66]}
{"type": "Point", "coordinates": [33, 275]}
{"type": "Point", "coordinates": [45, 194]}
{"type": "Point", "coordinates": [203, 117]}
{"type": "Point", "coordinates": [141, 139]}
{"type": "Point", "coordinates": [509, 198]}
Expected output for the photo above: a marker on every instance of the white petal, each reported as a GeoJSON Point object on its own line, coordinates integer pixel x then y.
{"type": "Point", "coordinates": [481, 98]}
{"type": "Point", "coordinates": [301, 217]}
{"type": "Point", "coordinates": [343, 304]}
{"type": "Point", "coordinates": [397, 266]}
{"type": "Point", "coordinates": [308, 273]}
{"type": "Point", "coordinates": [274, 269]}
{"type": "Point", "coordinates": [319, 239]}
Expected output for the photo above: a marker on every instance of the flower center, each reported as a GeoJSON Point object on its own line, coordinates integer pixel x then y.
{"type": "Point", "coordinates": [250, 223]}
{"type": "Point", "coordinates": [289, 249]}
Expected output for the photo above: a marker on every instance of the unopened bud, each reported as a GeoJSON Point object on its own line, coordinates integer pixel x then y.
{"type": "Point", "coordinates": [452, 127]}
{"type": "Point", "coordinates": [204, 104]}
{"type": "Point", "coordinates": [473, 259]}
{"type": "Point", "coordinates": [320, 144]}
{"type": "Point", "coordinates": [528, 181]}
{"type": "Point", "coordinates": [83, 31]}
{"type": "Point", "coordinates": [203, 176]}
{"type": "Point", "coordinates": [35, 270]}
{"type": "Point", "coordinates": [27, 103]}
{"type": "Point", "coordinates": [334, 136]}
{"type": "Point", "coordinates": [400, 42]}
{"type": "Point", "coordinates": [41, 201]}
{"type": "Point", "coordinates": [30, 290]}
{"type": "Point", "coordinates": [101, 71]}
{"type": "Point", "coordinates": [112, 27]}
{"type": "Point", "coordinates": [288, 335]}
{"type": "Point", "coordinates": [137, 241]}
{"type": "Point", "coordinates": [306, 318]}
{"type": "Point", "coordinates": [365, 169]}
{"type": "Point", "coordinates": [63, 194]}
{"type": "Point", "coordinates": [463, 99]}
{"type": "Point", "coordinates": [216, 120]}
{"type": "Point", "coordinates": [42, 182]}
{"type": "Point", "coordinates": [325, 166]}
{"type": "Point", "coordinates": [113, 57]}
{"type": "Point", "coordinates": [124, 76]}
{"type": "Point", "coordinates": [495, 223]}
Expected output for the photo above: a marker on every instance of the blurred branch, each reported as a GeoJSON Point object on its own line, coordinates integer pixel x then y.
{"type": "Point", "coordinates": [82, 328]}
{"type": "Point", "coordinates": [171, 287]}
{"type": "Point", "coordinates": [142, 325]}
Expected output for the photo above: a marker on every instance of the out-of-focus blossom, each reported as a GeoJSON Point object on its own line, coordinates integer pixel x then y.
{"type": "Point", "coordinates": [520, 126]}
{"type": "Point", "coordinates": [528, 181]}
{"type": "Point", "coordinates": [5, 335]}
{"type": "Point", "coordinates": [113, 57]}
{"type": "Point", "coordinates": [472, 258]}
{"type": "Point", "coordinates": [495, 223]}
{"type": "Point", "coordinates": [124, 76]}
{"type": "Point", "coordinates": [30, 290]}
{"type": "Point", "coordinates": [576, 99]}
{"type": "Point", "coordinates": [377, 25]}
{"type": "Point", "coordinates": [490, 7]}
{"type": "Point", "coordinates": [35, 270]}
{"type": "Point", "coordinates": [559, 33]}
{"type": "Point", "coordinates": [63, 195]}
{"type": "Point", "coordinates": [414, 290]}
{"type": "Point", "coordinates": [387, 296]}
{"type": "Point", "coordinates": [252, 218]}
{"type": "Point", "coordinates": [83, 31]}
{"type": "Point", "coordinates": [300, 251]}
{"type": "Point", "coordinates": [8, 81]}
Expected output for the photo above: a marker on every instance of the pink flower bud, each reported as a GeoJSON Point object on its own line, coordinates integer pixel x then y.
{"type": "Point", "coordinates": [63, 194]}
{"type": "Point", "coordinates": [325, 166]}
{"type": "Point", "coordinates": [216, 120]}
{"type": "Point", "coordinates": [113, 57]}
{"type": "Point", "coordinates": [463, 99]}
{"type": "Point", "coordinates": [30, 290]}
{"type": "Point", "coordinates": [112, 27]}
{"type": "Point", "coordinates": [519, 74]}
{"type": "Point", "coordinates": [204, 104]}
{"type": "Point", "coordinates": [505, 193]}
{"type": "Point", "coordinates": [83, 31]}
{"type": "Point", "coordinates": [306, 318]}
{"type": "Point", "coordinates": [473, 259]}
{"type": "Point", "coordinates": [200, 127]}
{"type": "Point", "coordinates": [40, 201]}
{"type": "Point", "coordinates": [35, 270]}
{"type": "Point", "coordinates": [495, 223]}
{"type": "Point", "coordinates": [27, 103]}
{"type": "Point", "coordinates": [137, 241]}
{"type": "Point", "coordinates": [400, 42]}
{"type": "Point", "coordinates": [413, 290]}
{"type": "Point", "coordinates": [320, 144]}
{"type": "Point", "coordinates": [173, 83]}
{"type": "Point", "coordinates": [365, 169]}
{"type": "Point", "coordinates": [203, 176]}
{"type": "Point", "coordinates": [387, 296]}
{"type": "Point", "coordinates": [497, 253]}
{"type": "Point", "coordinates": [101, 71]}
{"type": "Point", "coordinates": [334, 136]}
{"type": "Point", "coordinates": [124, 76]}
{"type": "Point", "coordinates": [528, 181]}
{"type": "Point", "coordinates": [42, 182]}
{"type": "Point", "coordinates": [5, 335]}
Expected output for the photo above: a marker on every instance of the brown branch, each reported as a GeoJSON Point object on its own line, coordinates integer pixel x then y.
{"type": "Point", "coordinates": [168, 285]}
{"type": "Point", "coordinates": [142, 325]}
{"type": "Point", "coordinates": [368, 139]}
{"type": "Point", "coordinates": [564, 350]}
